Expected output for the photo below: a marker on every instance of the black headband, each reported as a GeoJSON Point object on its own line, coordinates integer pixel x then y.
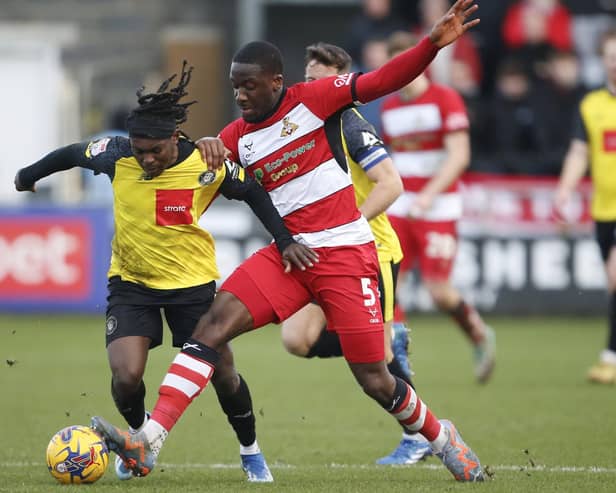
{"type": "Point", "coordinates": [150, 127]}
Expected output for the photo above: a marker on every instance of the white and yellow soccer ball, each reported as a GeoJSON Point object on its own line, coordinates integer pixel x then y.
{"type": "Point", "coordinates": [77, 454]}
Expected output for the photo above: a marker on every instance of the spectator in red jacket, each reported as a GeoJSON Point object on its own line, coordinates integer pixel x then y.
{"type": "Point", "coordinates": [532, 22]}
{"type": "Point", "coordinates": [533, 28]}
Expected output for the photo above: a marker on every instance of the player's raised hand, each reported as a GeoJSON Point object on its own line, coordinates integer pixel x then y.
{"type": "Point", "coordinates": [454, 23]}
{"type": "Point", "coordinates": [22, 187]}
{"type": "Point", "coordinates": [299, 256]}
{"type": "Point", "coordinates": [213, 152]}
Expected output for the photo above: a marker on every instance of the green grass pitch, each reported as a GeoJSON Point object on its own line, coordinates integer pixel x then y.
{"type": "Point", "coordinates": [538, 425]}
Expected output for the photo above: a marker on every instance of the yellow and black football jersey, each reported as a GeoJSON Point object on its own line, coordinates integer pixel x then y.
{"type": "Point", "coordinates": [364, 149]}
{"type": "Point", "coordinates": [597, 126]}
{"type": "Point", "coordinates": [158, 242]}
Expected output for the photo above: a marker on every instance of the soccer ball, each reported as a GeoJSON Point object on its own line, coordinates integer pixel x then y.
{"type": "Point", "coordinates": [77, 454]}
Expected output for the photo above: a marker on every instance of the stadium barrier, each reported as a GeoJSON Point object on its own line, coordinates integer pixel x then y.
{"type": "Point", "coordinates": [513, 257]}
{"type": "Point", "coordinates": [54, 259]}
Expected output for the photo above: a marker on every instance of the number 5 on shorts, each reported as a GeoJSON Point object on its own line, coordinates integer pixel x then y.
{"type": "Point", "coordinates": [368, 292]}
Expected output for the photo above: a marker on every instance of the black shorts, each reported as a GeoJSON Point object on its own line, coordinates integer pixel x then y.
{"type": "Point", "coordinates": [605, 233]}
{"type": "Point", "coordinates": [134, 310]}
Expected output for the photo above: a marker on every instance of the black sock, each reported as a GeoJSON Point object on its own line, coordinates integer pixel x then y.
{"type": "Point", "coordinates": [400, 393]}
{"type": "Point", "coordinates": [396, 370]}
{"type": "Point", "coordinates": [611, 341]}
{"type": "Point", "coordinates": [131, 406]}
{"type": "Point", "coordinates": [198, 350]}
{"type": "Point", "coordinates": [326, 346]}
{"type": "Point", "coordinates": [238, 408]}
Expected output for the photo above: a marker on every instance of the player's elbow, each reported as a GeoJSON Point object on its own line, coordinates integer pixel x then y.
{"type": "Point", "coordinates": [395, 186]}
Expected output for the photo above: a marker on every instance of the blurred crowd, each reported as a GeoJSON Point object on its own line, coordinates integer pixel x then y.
{"type": "Point", "coordinates": [521, 72]}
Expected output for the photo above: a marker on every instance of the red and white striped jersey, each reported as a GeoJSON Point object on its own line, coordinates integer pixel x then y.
{"type": "Point", "coordinates": [292, 154]}
{"type": "Point", "coordinates": [415, 130]}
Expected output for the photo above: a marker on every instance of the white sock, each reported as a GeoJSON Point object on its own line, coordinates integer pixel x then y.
{"type": "Point", "coordinates": [418, 437]}
{"type": "Point", "coordinates": [608, 356]}
{"type": "Point", "coordinates": [441, 440]}
{"type": "Point", "coordinates": [250, 449]}
{"type": "Point", "coordinates": [155, 434]}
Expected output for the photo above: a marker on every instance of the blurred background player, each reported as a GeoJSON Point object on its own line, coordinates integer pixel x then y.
{"type": "Point", "coordinates": [426, 128]}
{"type": "Point", "coordinates": [594, 145]}
{"type": "Point", "coordinates": [284, 139]}
{"type": "Point", "coordinates": [377, 184]}
{"type": "Point", "coordinates": [162, 259]}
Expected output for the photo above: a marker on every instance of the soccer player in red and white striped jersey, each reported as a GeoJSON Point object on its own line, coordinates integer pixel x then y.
{"type": "Point", "coordinates": [425, 126]}
{"type": "Point", "coordinates": [288, 141]}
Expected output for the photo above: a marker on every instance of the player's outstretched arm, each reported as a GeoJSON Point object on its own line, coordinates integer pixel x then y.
{"type": "Point", "coordinates": [20, 186]}
{"type": "Point", "coordinates": [454, 23]}
{"type": "Point", "coordinates": [59, 160]}
{"type": "Point", "coordinates": [403, 68]}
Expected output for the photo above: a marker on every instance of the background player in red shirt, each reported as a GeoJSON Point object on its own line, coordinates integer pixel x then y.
{"type": "Point", "coordinates": [426, 128]}
{"type": "Point", "coordinates": [284, 139]}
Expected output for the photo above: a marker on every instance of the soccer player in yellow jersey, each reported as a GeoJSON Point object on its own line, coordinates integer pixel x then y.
{"type": "Point", "coordinates": [594, 145]}
{"type": "Point", "coordinates": [377, 184]}
{"type": "Point", "coordinates": [161, 258]}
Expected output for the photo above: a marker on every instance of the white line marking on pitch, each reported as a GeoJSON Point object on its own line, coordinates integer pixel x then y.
{"type": "Point", "coordinates": [502, 467]}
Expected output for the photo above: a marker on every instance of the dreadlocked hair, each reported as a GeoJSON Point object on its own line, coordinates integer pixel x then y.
{"type": "Point", "coordinates": [164, 103]}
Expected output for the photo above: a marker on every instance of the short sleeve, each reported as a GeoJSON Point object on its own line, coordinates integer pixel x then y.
{"type": "Point", "coordinates": [363, 144]}
{"type": "Point", "coordinates": [455, 117]}
{"type": "Point", "coordinates": [579, 128]}
{"type": "Point", "coordinates": [100, 155]}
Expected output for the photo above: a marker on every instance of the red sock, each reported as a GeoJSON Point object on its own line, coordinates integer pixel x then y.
{"type": "Point", "coordinates": [186, 378]}
{"type": "Point", "coordinates": [399, 315]}
{"type": "Point", "coordinates": [413, 414]}
{"type": "Point", "coordinates": [469, 320]}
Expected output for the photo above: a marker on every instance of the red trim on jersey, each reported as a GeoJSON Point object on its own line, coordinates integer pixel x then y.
{"type": "Point", "coordinates": [328, 212]}
{"type": "Point", "coordinates": [322, 98]}
{"type": "Point", "coordinates": [416, 184]}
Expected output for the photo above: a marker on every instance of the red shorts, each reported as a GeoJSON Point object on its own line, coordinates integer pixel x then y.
{"type": "Point", "coordinates": [429, 244]}
{"type": "Point", "coordinates": [344, 283]}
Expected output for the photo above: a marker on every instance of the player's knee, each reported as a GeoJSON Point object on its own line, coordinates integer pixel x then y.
{"type": "Point", "coordinates": [441, 296]}
{"type": "Point", "coordinates": [126, 378]}
{"type": "Point", "coordinates": [294, 344]}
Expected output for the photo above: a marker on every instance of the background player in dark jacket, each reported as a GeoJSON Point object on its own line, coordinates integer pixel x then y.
{"type": "Point", "coordinates": [161, 257]}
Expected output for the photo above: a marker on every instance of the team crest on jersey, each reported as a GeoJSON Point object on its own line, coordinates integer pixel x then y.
{"type": "Point", "coordinates": [111, 325]}
{"type": "Point", "coordinates": [207, 177]}
{"type": "Point", "coordinates": [97, 147]}
{"type": "Point", "coordinates": [288, 127]}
